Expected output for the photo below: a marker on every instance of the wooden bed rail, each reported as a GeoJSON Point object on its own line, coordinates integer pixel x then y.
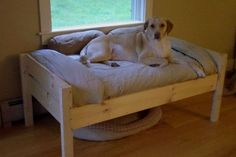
{"type": "Point", "coordinates": [139, 101]}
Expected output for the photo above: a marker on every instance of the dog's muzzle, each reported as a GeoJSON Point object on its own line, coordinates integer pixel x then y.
{"type": "Point", "coordinates": [157, 36]}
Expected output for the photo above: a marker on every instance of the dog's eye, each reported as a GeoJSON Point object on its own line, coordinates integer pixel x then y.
{"type": "Point", "coordinates": [162, 25]}
{"type": "Point", "coordinates": [152, 26]}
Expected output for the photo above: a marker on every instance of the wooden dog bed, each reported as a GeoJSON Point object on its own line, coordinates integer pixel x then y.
{"type": "Point", "coordinates": [56, 96]}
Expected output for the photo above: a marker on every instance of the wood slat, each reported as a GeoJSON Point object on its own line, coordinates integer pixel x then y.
{"type": "Point", "coordinates": [194, 87]}
{"type": "Point", "coordinates": [116, 107]}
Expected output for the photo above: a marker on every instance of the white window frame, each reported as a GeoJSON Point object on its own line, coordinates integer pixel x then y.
{"type": "Point", "coordinates": [46, 31]}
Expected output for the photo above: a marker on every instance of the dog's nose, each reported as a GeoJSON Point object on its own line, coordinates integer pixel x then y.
{"type": "Point", "coordinates": [157, 35]}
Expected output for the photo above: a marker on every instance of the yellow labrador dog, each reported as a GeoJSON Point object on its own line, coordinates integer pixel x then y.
{"type": "Point", "coordinates": [149, 46]}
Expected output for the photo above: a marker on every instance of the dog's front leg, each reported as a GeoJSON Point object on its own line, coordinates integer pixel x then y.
{"type": "Point", "coordinates": [141, 56]}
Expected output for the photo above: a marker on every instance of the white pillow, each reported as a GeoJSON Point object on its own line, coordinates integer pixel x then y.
{"type": "Point", "coordinates": [194, 51]}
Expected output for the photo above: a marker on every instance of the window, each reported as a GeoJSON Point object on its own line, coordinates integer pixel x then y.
{"type": "Point", "coordinates": [89, 12]}
{"type": "Point", "coordinates": [59, 16]}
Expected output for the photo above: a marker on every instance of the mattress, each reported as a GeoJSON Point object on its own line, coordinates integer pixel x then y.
{"type": "Point", "coordinates": [99, 81]}
{"type": "Point", "coordinates": [133, 77]}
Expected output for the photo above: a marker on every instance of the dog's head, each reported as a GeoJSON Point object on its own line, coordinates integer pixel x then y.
{"type": "Point", "coordinates": [157, 28]}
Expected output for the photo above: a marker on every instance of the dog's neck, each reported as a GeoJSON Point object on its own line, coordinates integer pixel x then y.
{"type": "Point", "coordinates": [161, 47]}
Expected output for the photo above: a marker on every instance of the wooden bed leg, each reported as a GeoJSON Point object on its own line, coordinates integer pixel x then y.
{"type": "Point", "coordinates": [217, 96]}
{"type": "Point", "coordinates": [67, 142]}
{"type": "Point", "coordinates": [27, 98]}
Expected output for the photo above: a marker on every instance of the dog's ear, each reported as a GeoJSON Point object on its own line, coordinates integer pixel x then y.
{"type": "Point", "coordinates": [169, 26]}
{"type": "Point", "coordinates": [146, 24]}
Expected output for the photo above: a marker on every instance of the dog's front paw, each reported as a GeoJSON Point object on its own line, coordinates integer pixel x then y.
{"type": "Point", "coordinates": [154, 65]}
{"type": "Point", "coordinates": [155, 62]}
{"type": "Point", "coordinates": [114, 64]}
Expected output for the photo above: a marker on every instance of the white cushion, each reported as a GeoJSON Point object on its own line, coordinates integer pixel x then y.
{"type": "Point", "coordinates": [87, 88]}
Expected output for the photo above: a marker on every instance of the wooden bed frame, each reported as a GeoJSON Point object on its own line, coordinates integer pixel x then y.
{"type": "Point", "coordinates": [56, 96]}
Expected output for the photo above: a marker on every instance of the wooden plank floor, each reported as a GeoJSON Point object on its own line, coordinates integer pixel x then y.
{"type": "Point", "coordinates": [184, 131]}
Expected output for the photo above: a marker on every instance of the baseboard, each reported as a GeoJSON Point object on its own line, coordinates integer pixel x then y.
{"type": "Point", "coordinates": [12, 110]}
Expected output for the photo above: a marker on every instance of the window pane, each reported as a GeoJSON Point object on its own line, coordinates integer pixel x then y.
{"type": "Point", "coordinates": [69, 13]}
